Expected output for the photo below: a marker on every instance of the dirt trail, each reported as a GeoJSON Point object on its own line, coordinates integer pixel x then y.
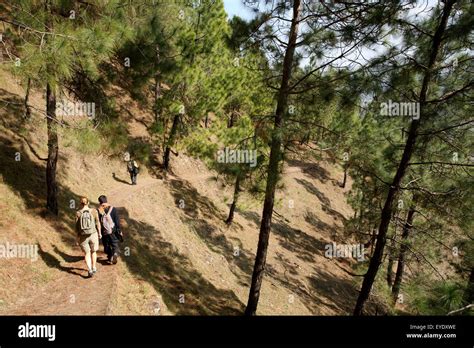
{"type": "Point", "coordinates": [71, 293]}
{"type": "Point", "coordinates": [175, 233]}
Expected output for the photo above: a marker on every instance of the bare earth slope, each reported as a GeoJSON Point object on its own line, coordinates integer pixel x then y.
{"type": "Point", "coordinates": [179, 257]}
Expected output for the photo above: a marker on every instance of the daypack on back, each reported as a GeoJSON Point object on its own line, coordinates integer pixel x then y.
{"type": "Point", "coordinates": [107, 222]}
{"type": "Point", "coordinates": [133, 167]}
{"type": "Point", "coordinates": [136, 167]}
{"type": "Point", "coordinates": [86, 222]}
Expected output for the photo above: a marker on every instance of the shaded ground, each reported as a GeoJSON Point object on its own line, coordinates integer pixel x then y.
{"type": "Point", "coordinates": [179, 255]}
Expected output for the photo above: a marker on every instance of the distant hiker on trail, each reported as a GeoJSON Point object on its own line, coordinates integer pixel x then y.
{"type": "Point", "coordinates": [88, 230]}
{"type": "Point", "coordinates": [111, 233]}
{"type": "Point", "coordinates": [133, 169]}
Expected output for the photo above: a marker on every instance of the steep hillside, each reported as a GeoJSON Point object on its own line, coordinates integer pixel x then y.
{"type": "Point", "coordinates": [179, 255]}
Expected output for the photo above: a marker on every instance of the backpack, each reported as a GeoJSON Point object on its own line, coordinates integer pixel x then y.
{"type": "Point", "coordinates": [136, 167]}
{"type": "Point", "coordinates": [107, 222]}
{"type": "Point", "coordinates": [133, 167]}
{"type": "Point", "coordinates": [86, 222]}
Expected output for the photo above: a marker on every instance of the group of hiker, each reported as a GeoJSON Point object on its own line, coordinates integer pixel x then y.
{"type": "Point", "coordinates": [93, 225]}
{"type": "Point", "coordinates": [103, 224]}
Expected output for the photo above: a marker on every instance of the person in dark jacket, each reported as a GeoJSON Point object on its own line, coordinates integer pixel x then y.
{"type": "Point", "coordinates": [111, 232]}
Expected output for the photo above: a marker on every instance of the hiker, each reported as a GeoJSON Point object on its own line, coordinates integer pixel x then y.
{"type": "Point", "coordinates": [133, 169]}
{"type": "Point", "coordinates": [88, 230]}
{"type": "Point", "coordinates": [111, 233]}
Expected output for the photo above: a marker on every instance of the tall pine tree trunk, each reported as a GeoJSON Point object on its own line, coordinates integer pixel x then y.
{"type": "Point", "coordinates": [53, 149]}
{"type": "Point", "coordinates": [372, 240]}
{"type": "Point", "coordinates": [390, 269]}
{"type": "Point", "coordinates": [391, 256]}
{"type": "Point", "coordinates": [157, 96]}
{"type": "Point", "coordinates": [275, 157]}
{"type": "Point", "coordinates": [53, 143]}
{"type": "Point", "coordinates": [343, 185]}
{"type": "Point", "coordinates": [230, 218]}
{"type": "Point", "coordinates": [27, 99]}
{"type": "Point", "coordinates": [157, 85]}
{"type": "Point", "coordinates": [376, 259]}
{"type": "Point", "coordinates": [170, 142]}
{"type": "Point", "coordinates": [401, 257]}
{"type": "Point", "coordinates": [361, 212]}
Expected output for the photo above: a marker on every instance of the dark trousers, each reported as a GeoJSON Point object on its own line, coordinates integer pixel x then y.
{"type": "Point", "coordinates": [111, 245]}
{"type": "Point", "coordinates": [133, 177]}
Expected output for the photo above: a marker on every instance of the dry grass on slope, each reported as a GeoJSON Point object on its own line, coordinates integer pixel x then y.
{"type": "Point", "coordinates": [181, 258]}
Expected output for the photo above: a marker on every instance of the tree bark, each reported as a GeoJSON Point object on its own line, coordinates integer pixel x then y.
{"type": "Point", "coordinates": [27, 98]}
{"type": "Point", "coordinates": [157, 85]}
{"type": "Point", "coordinates": [275, 158]}
{"type": "Point", "coordinates": [170, 142]}
{"type": "Point", "coordinates": [361, 212]}
{"type": "Point", "coordinates": [343, 185]}
{"type": "Point", "coordinates": [53, 149]}
{"type": "Point", "coordinates": [390, 271]}
{"type": "Point", "coordinates": [401, 257]}
{"type": "Point", "coordinates": [157, 96]}
{"type": "Point", "coordinates": [52, 127]}
{"type": "Point", "coordinates": [391, 254]}
{"type": "Point", "coordinates": [230, 218]}
{"type": "Point", "coordinates": [376, 259]}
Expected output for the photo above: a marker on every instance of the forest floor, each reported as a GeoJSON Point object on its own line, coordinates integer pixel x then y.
{"type": "Point", "coordinates": [179, 257]}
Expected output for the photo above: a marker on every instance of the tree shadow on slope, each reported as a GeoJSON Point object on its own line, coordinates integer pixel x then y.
{"type": "Point", "coordinates": [311, 169]}
{"type": "Point", "coordinates": [325, 201]}
{"type": "Point", "coordinates": [341, 292]}
{"type": "Point", "coordinates": [172, 274]}
{"type": "Point", "coordinates": [334, 233]}
{"type": "Point", "coordinates": [12, 111]}
{"type": "Point", "coordinates": [314, 190]}
{"type": "Point", "coordinates": [201, 214]}
{"type": "Point", "coordinates": [27, 178]}
{"type": "Point", "coordinates": [320, 289]}
{"type": "Point", "coordinates": [192, 202]}
{"type": "Point", "coordinates": [295, 284]}
{"type": "Point", "coordinates": [303, 245]}
{"type": "Point", "coordinates": [250, 216]}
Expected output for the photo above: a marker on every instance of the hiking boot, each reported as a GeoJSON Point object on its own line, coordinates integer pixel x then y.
{"type": "Point", "coordinates": [94, 270]}
{"type": "Point", "coordinates": [114, 259]}
{"type": "Point", "coordinates": [90, 274]}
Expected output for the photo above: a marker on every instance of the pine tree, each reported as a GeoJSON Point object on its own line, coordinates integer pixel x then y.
{"type": "Point", "coordinates": [430, 49]}
{"type": "Point", "coordinates": [60, 39]}
{"type": "Point", "coordinates": [330, 29]}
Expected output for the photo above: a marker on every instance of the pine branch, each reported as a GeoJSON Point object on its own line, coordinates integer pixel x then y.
{"type": "Point", "coordinates": [24, 26]}
{"type": "Point", "coordinates": [452, 94]}
{"type": "Point", "coordinates": [447, 128]}
{"type": "Point", "coordinates": [443, 163]}
{"type": "Point", "coordinates": [416, 253]}
{"type": "Point", "coordinates": [461, 309]}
